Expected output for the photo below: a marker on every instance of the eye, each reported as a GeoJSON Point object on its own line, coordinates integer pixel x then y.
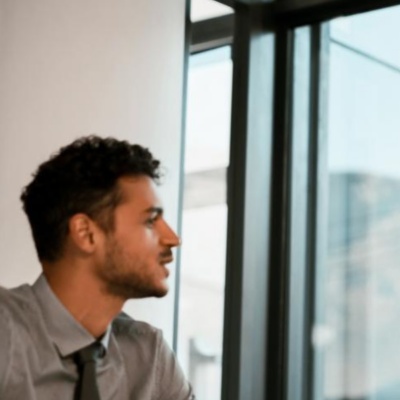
{"type": "Point", "coordinates": [152, 220]}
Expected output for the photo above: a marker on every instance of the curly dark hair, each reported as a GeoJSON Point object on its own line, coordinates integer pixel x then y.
{"type": "Point", "coordinates": [81, 178]}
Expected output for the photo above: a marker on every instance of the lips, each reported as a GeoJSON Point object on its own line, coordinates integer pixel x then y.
{"type": "Point", "coordinates": [166, 260]}
{"type": "Point", "coordinates": [166, 257]}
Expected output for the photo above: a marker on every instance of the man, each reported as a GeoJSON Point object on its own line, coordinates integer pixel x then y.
{"type": "Point", "coordinates": [101, 239]}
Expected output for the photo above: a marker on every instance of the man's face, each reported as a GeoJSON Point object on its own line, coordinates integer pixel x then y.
{"type": "Point", "coordinates": [139, 246]}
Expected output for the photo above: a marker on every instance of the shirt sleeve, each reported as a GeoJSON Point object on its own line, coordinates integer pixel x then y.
{"type": "Point", "coordinates": [171, 382]}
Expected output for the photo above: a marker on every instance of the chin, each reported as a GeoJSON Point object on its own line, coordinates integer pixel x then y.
{"type": "Point", "coordinates": [161, 291]}
{"type": "Point", "coordinates": [128, 291]}
{"type": "Point", "coordinates": [150, 291]}
{"type": "Point", "coordinates": [159, 295]}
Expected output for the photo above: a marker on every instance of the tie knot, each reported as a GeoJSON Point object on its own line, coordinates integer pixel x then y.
{"type": "Point", "coordinates": [90, 353]}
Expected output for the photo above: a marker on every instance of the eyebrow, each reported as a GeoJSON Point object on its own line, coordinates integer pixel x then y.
{"type": "Point", "coordinates": [154, 210]}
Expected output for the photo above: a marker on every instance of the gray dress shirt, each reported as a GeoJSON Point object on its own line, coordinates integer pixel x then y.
{"type": "Point", "coordinates": [38, 337]}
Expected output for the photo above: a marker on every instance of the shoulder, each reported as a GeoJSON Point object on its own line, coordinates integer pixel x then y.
{"type": "Point", "coordinates": [143, 346]}
{"type": "Point", "coordinates": [140, 337]}
{"type": "Point", "coordinates": [138, 341]}
{"type": "Point", "coordinates": [16, 299]}
{"type": "Point", "coordinates": [18, 310]}
{"type": "Point", "coordinates": [143, 338]}
{"type": "Point", "coordinates": [15, 306]}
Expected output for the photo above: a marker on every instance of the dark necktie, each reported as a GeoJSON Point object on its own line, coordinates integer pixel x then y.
{"type": "Point", "coordinates": [86, 359]}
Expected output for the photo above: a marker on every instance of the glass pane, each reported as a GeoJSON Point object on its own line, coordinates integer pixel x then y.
{"type": "Point", "coordinates": [361, 34]}
{"type": "Point", "coordinates": [205, 221]}
{"type": "Point", "coordinates": [360, 329]}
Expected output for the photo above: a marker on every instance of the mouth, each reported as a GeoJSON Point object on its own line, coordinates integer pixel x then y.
{"type": "Point", "coordinates": [164, 268]}
{"type": "Point", "coordinates": [166, 260]}
{"type": "Point", "coordinates": [166, 257]}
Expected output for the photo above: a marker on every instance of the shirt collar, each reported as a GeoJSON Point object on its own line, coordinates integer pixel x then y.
{"type": "Point", "coordinates": [64, 330]}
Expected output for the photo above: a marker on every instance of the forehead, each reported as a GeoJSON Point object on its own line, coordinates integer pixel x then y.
{"type": "Point", "coordinates": [140, 191]}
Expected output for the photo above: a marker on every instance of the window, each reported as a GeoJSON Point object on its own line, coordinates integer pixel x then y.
{"type": "Point", "coordinates": [359, 329]}
{"type": "Point", "coordinates": [204, 224]}
{"type": "Point", "coordinates": [311, 289]}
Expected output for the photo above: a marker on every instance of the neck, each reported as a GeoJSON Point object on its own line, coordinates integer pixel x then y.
{"type": "Point", "coordinates": [83, 296]}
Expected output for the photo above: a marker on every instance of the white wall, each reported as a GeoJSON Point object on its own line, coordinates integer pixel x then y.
{"type": "Point", "coordinates": [70, 68]}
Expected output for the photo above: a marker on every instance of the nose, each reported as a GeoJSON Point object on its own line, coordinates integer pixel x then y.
{"type": "Point", "coordinates": [168, 237]}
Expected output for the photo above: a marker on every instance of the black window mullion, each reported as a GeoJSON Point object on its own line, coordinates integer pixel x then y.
{"type": "Point", "coordinates": [245, 325]}
{"type": "Point", "coordinates": [318, 204]}
{"type": "Point", "coordinates": [278, 293]}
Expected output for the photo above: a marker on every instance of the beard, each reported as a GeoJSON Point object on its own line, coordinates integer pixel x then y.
{"type": "Point", "coordinates": [127, 276]}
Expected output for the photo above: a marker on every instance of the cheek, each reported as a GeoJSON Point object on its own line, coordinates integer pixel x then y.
{"type": "Point", "coordinates": [141, 245]}
{"type": "Point", "coordinates": [146, 237]}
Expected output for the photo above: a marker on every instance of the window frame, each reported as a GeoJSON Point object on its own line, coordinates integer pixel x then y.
{"type": "Point", "coordinates": [262, 355]}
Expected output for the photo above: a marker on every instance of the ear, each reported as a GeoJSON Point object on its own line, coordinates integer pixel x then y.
{"type": "Point", "coordinates": [82, 232]}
